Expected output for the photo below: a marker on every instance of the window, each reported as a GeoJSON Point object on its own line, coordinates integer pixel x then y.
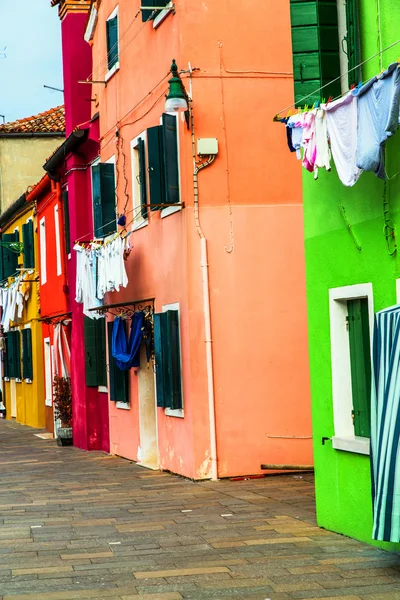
{"type": "Point", "coordinates": [119, 380]}
{"type": "Point", "coordinates": [157, 16]}
{"type": "Point", "coordinates": [104, 199]}
{"type": "Point", "coordinates": [43, 258]}
{"type": "Point", "coordinates": [163, 160]}
{"type": "Point", "coordinates": [168, 360]}
{"type": "Point", "coordinates": [95, 352]}
{"type": "Point", "coordinates": [27, 363]}
{"type": "Point", "coordinates": [8, 255]}
{"type": "Point", "coordinates": [351, 321]}
{"type": "Point", "coordinates": [58, 240]}
{"type": "Point", "coordinates": [66, 222]}
{"type": "Point", "coordinates": [325, 40]}
{"type": "Point", "coordinates": [13, 358]}
{"type": "Point", "coordinates": [139, 179]}
{"type": "Point", "coordinates": [29, 249]}
{"type": "Point", "coordinates": [112, 43]}
{"type": "Point", "coordinates": [48, 373]}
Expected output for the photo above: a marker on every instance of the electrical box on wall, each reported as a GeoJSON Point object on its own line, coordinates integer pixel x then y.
{"type": "Point", "coordinates": [207, 146]}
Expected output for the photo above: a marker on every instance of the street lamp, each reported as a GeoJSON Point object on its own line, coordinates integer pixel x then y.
{"type": "Point", "coordinates": [177, 99]}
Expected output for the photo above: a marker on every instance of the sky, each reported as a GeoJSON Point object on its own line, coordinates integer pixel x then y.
{"type": "Point", "coordinates": [30, 29]}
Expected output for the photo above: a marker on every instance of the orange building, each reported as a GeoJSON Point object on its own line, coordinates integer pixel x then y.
{"type": "Point", "coordinates": [216, 222]}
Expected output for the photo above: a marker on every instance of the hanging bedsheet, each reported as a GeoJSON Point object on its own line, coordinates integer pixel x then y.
{"type": "Point", "coordinates": [12, 301]}
{"type": "Point", "coordinates": [385, 426]}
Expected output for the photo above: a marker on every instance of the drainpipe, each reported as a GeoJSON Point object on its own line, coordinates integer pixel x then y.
{"type": "Point", "coordinates": [206, 305]}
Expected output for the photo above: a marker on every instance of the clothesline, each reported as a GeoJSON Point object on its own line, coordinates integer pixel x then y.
{"type": "Point", "coordinates": [276, 118]}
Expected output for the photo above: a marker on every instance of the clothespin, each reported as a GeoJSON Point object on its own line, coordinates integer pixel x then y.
{"type": "Point", "coordinates": [330, 99]}
{"type": "Point", "coordinates": [316, 103]}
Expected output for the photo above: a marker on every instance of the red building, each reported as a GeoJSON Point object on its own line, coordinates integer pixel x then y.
{"type": "Point", "coordinates": [51, 205]}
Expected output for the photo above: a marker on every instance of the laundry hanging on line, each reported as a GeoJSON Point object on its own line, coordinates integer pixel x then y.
{"type": "Point", "coordinates": [127, 352]}
{"type": "Point", "coordinates": [353, 129]}
{"type": "Point", "coordinates": [12, 301]}
{"type": "Point", "coordinates": [100, 269]}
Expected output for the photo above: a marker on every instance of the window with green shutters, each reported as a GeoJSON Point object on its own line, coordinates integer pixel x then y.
{"type": "Point", "coordinates": [5, 356]}
{"type": "Point", "coordinates": [66, 222]}
{"type": "Point", "coordinates": [14, 355]}
{"type": "Point", "coordinates": [150, 13]}
{"type": "Point", "coordinates": [351, 42]}
{"type": "Point", "coordinates": [112, 41]}
{"type": "Point", "coordinates": [28, 242]}
{"type": "Point", "coordinates": [104, 199]}
{"type": "Point", "coordinates": [168, 359]}
{"type": "Point", "coordinates": [360, 363]}
{"type": "Point", "coordinates": [10, 257]}
{"type": "Point", "coordinates": [95, 352]}
{"type": "Point", "coordinates": [119, 380]}
{"type": "Point", "coordinates": [163, 160]}
{"type": "Point", "coordinates": [27, 360]}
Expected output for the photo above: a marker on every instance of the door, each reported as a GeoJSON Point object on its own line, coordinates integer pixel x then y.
{"type": "Point", "coordinates": [147, 413]}
{"type": "Point", "coordinates": [13, 398]}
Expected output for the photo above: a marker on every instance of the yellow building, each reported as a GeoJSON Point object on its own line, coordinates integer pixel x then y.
{"type": "Point", "coordinates": [21, 329]}
{"type": "Point", "coordinates": [24, 146]}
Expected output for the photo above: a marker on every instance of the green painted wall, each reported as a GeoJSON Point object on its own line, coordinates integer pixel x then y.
{"type": "Point", "coordinates": [343, 484]}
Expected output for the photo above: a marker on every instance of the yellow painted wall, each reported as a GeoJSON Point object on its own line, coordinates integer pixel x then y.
{"type": "Point", "coordinates": [21, 164]}
{"type": "Point", "coordinates": [30, 396]}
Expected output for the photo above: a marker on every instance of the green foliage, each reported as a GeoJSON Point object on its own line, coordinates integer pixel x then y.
{"type": "Point", "coordinates": [62, 399]}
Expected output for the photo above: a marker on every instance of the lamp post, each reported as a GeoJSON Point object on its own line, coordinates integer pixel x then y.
{"type": "Point", "coordinates": [177, 100]}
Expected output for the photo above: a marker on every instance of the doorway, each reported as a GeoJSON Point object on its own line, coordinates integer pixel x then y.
{"type": "Point", "coordinates": [147, 413]}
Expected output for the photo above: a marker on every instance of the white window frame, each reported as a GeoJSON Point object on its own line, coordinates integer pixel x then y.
{"type": "Point", "coordinates": [138, 220]}
{"type": "Point", "coordinates": [43, 261]}
{"type": "Point", "coordinates": [344, 437]}
{"type": "Point", "coordinates": [163, 15]}
{"type": "Point", "coordinates": [170, 210]}
{"type": "Point", "coordinates": [176, 412]}
{"type": "Point", "coordinates": [48, 385]}
{"type": "Point", "coordinates": [114, 68]}
{"type": "Point", "coordinates": [91, 26]}
{"type": "Point", "coordinates": [58, 239]}
{"type": "Point", "coordinates": [123, 405]}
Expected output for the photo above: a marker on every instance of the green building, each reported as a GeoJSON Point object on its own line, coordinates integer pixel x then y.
{"type": "Point", "coordinates": [352, 254]}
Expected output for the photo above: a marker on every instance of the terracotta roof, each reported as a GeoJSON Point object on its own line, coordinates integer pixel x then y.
{"type": "Point", "coordinates": [50, 121]}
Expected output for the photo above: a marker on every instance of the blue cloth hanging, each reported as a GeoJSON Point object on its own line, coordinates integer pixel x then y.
{"type": "Point", "coordinates": [127, 352]}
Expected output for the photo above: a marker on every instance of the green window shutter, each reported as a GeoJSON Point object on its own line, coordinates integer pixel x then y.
{"type": "Point", "coordinates": [171, 167]}
{"type": "Point", "coordinates": [90, 352]}
{"type": "Point", "coordinates": [10, 354]}
{"type": "Point", "coordinates": [27, 364]}
{"type": "Point", "coordinates": [29, 251]}
{"type": "Point", "coordinates": [156, 166]}
{"type": "Point", "coordinates": [14, 354]}
{"type": "Point", "coordinates": [17, 349]}
{"type": "Point", "coordinates": [5, 356]}
{"type": "Point", "coordinates": [315, 43]}
{"type": "Point", "coordinates": [2, 276]}
{"type": "Point", "coordinates": [10, 258]}
{"type": "Point", "coordinates": [168, 359]}
{"type": "Point", "coordinates": [119, 382]}
{"type": "Point", "coordinates": [151, 14]}
{"type": "Point", "coordinates": [360, 362]}
{"type": "Point", "coordinates": [104, 199]}
{"type": "Point", "coordinates": [142, 175]}
{"type": "Point", "coordinates": [352, 42]}
{"type": "Point", "coordinates": [112, 42]}
{"type": "Point", "coordinates": [66, 222]}
{"type": "Point", "coordinates": [100, 337]}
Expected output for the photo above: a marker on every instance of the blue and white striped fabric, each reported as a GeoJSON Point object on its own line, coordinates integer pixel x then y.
{"type": "Point", "coordinates": [385, 426]}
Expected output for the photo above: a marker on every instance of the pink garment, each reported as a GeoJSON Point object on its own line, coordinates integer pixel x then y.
{"type": "Point", "coordinates": [310, 147]}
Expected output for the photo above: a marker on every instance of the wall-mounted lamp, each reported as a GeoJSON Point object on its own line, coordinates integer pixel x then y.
{"type": "Point", "coordinates": [177, 99]}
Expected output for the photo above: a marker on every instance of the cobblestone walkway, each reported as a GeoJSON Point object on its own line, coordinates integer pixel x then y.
{"type": "Point", "coordinates": [76, 525]}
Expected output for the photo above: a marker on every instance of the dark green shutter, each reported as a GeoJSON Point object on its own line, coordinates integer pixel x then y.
{"type": "Point", "coordinates": [2, 277]}
{"type": "Point", "coordinates": [90, 352]}
{"type": "Point", "coordinates": [142, 176]}
{"type": "Point", "coordinates": [104, 199]}
{"type": "Point", "coordinates": [151, 14]}
{"type": "Point", "coordinates": [11, 354]}
{"type": "Point", "coordinates": [66, 222]}
{"type": "Point", "coordinates": [5, 356]}
{"type": "Point", "coordinates": [101, 360]}
{"type": "Point", "coordinates": [14, 354]}
{"type": "Point", "coordinates": [112, 42]}
{"type": "Point", "coordinates": [119, 383]}
{"type": "Point", "coordinates": [29, 251]}
{"type": "Point", "coordinates": [156, 166]}
{"type": "Point", "coordinates": [360, 361]}
{"type": "Point", "coordinates": [27, 363]}
{"type": "Point", "coordinates": [351, 42]}
{"type": "Point", "coordinates": [171, 168]}
{"type": "Point", "coordinates": [315, 41]}
{"type": "Point", "coordinates": [10, 257]}
{"type": "Point", "coordinates": [168, 359]}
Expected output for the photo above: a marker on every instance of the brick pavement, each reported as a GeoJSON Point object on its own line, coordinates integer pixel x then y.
{"type": "Point", "coordinates": [76, 526]}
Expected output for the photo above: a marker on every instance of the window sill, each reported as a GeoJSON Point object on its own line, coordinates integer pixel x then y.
{"type": "Point", "coordinates": [48, 403]}
{"type": "Point", "coordinates": [123, 405]}
{"type": "Point", "coordinates": [175, 412]}
{"type": "Point", "coordinates": [6, 379]}
{"type": "Point", "coordinates": [102, 389]}
{"type": "Point", "coordinates": [111, 72]}
{"type": "Point", "coordinates": [161, 17]}
{"type": "Point", "coordinates": [358, 445]}
{"type": "Point", "coordinates": [140, 225]}
{"type": "Point", "coordinates": [27, 380]}
{"type": "Point", "coordinates": [170, 211]}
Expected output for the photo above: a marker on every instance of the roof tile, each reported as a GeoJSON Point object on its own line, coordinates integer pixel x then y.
{"type": "Point", "coordinates": [50, 121]}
